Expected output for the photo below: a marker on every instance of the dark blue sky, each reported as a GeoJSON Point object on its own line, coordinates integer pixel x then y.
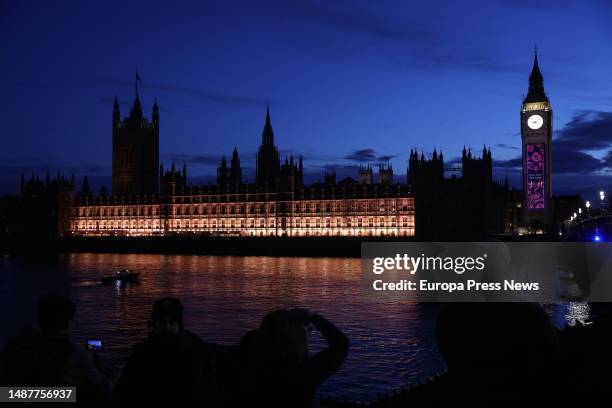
{"type": "Point", "coordinates": [348, 82]}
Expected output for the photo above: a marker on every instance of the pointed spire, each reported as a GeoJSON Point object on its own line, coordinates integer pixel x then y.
{"type": "Point", "coordinates": [136, 81]}
{"type": "Point", "coordinates": [116, 114]}
{"type": "Point", "coordinates": [268, 135]}
{"type": "Point", "coordinates": [536, 91]}
{"type": "Point", "coordinates": [136, 108]}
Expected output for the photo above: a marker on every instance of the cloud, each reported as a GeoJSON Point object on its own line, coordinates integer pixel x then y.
{"type": "Point", "coordinates": [505, 146]}
{"type": "Point", "coordinates": [200, 94]}
{"type": "Point", "coordinates": [570, 161]}
{"type": "Point", "coordinates": [364, 22]}
{"type": "Point", "coordinates": [396, 35]}
{"type": "Point", "coordinates": [607, 161]}
{"type": "Point", "coordinates": [363, 155]}
{"type": "Point", "coordinates": [369, 155]}
{"type": "Point", "coordinates": [386, 158]}
{"type": "Point", "coordinates": [586, 131]}
{"type": "Point", "coordinates": [455, 58]}
{"type": "Point", "coordinates": [509, 164]}
{"type": "Point", "coordinates": [581, 153]}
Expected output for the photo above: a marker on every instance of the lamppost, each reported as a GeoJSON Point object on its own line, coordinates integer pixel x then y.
{"type": "Point", "coordinates": [602, 197]}
{"type": "Point", "coordinates": [587, 205]}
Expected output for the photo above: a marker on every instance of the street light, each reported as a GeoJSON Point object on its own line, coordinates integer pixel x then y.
{"type": "Point", "coordinates": [588, 204]}
{"type": "Point", "coordinates": [580, 210]}
{"type": "Point", "coordinates": [602, 195]}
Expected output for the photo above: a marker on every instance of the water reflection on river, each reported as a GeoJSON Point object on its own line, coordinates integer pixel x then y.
{"type": "Point", "coordinates": [392, 342]}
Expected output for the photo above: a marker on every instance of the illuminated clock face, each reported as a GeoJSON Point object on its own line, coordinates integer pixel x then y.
{"type": "Point", "coordinates": [535, 121]}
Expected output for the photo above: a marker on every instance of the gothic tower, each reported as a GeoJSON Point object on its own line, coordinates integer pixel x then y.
{"type": "Point", "coordinates": [536, 135]}
{"type": "Point", "coordinates": [268, 161]}
{"type": "Point", "coordinates": [235, 172]}
{"type": "Point", "coordinates": [223, 173]}
{"type": "Point", "coordinates": [135, 150]}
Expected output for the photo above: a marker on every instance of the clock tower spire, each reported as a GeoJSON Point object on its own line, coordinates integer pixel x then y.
{"type": "Point", "coordinates": [536, 83]}
{"type": "Point", "coordinates": [536, 134]}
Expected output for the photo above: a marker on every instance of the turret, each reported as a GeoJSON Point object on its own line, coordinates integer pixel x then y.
{"type": "Point", "coordinates": [222, 172]}
{"type": "Point", "coordinates": [155, 116]}
{"type": "Point", "coordinates": [116, 113]}
{"type": "Point", "coordinates": [85, 191]}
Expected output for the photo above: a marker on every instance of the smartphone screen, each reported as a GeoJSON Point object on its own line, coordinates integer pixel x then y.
{"type": "Point", "coordinates": [94, 345]}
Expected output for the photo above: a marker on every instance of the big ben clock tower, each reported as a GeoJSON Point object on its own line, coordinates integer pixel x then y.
{"type": "Point", "coordinates": [536, 135]}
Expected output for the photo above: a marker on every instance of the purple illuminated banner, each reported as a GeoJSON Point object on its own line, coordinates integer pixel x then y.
{"type": "Point", "coordinates": [536, 162]}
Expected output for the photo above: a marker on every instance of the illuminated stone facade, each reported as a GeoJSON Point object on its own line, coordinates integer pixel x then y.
{"type": "Point", "coordinates": [276, 204]}
{"type": "Point", "coordinates": [354, 210]}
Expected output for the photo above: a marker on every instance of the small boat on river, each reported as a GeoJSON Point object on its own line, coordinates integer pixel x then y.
{"type": "Point", "coordinates": [124, 275]}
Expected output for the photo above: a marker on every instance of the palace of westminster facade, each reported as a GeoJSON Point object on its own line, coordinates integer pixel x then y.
{"type": "Point", "coordinates": [147, 199]}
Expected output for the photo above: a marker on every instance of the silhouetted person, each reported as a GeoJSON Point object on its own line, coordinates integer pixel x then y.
{"type": "Point", "coordinates": [498, 354]}
{"type": "Point", "coordinates": [279, 372]}
{"type": "Point", "coordinates": [49, 358]}
{"type": "Point", "coordinates": [173, 367]}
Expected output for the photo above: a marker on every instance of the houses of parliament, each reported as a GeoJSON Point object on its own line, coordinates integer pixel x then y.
{"type": "Point", "coordinates": [150, 199]}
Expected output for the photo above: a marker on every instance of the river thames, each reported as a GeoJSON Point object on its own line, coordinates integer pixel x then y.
{"type": "Point", "coordinates": [392, 342]}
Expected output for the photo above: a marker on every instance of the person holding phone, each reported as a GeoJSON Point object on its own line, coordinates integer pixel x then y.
{"type": "Point", "coordinates": [49, 358]}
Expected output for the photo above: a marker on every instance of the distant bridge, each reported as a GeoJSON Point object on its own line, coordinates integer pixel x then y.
{"type": "Point", "coordinates": [589, 228]}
